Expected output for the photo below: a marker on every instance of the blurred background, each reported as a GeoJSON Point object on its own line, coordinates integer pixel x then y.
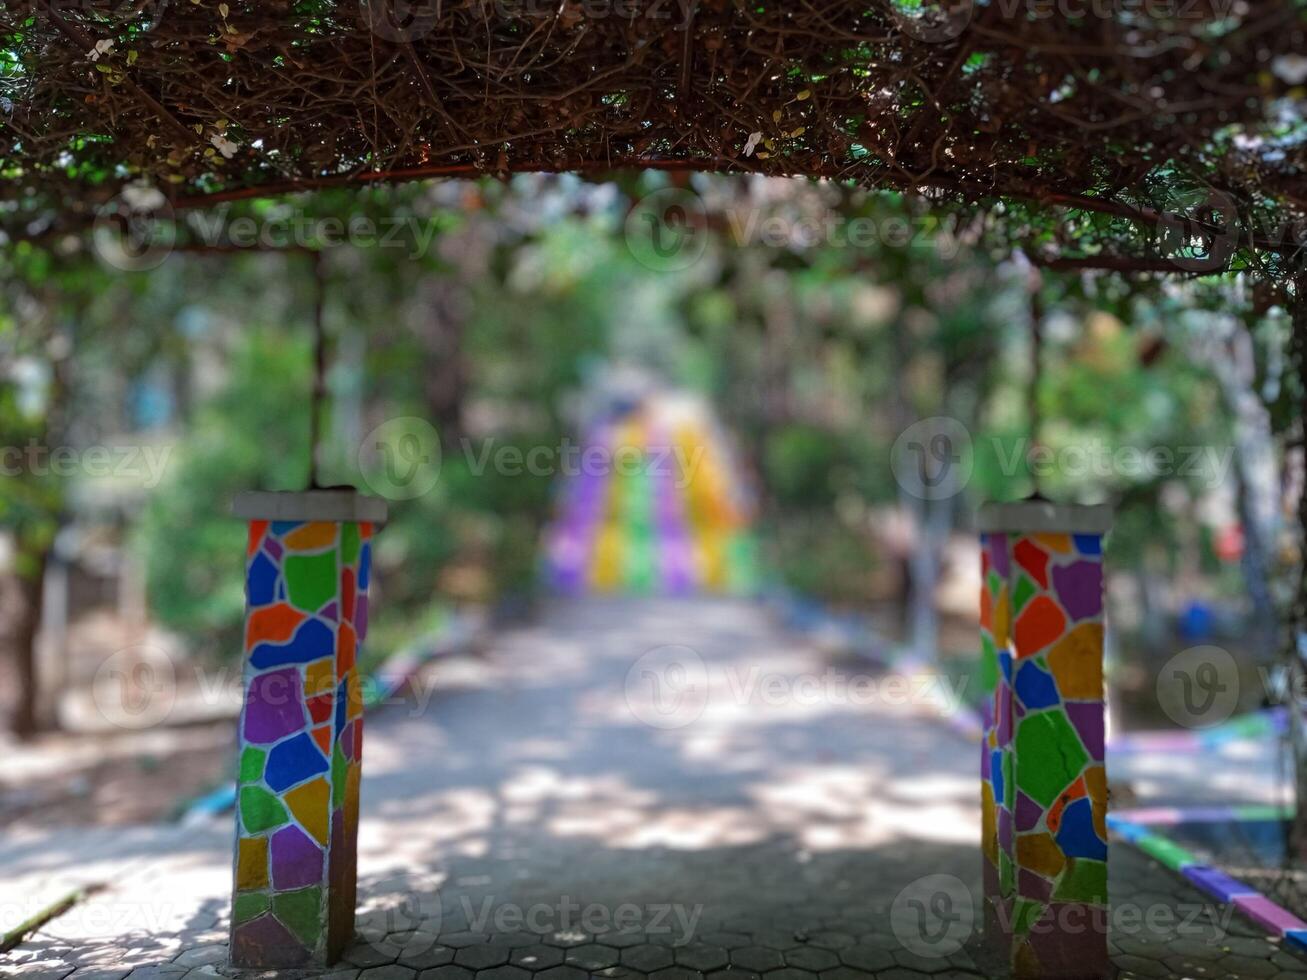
{"type": "Point", "coordinates": [760, 366]}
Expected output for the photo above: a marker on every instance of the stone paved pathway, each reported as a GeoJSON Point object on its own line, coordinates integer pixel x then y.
{"type": "Point", "coordinates": [661, 789]}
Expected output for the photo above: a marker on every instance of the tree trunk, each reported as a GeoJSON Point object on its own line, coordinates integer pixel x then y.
{"type": "Point", "coordinates": [444, 366]}
{"type": "Point", "coordinates": [22, 605]}
{"type": "Point", "coordinates": [1296, 646]}
{"type": "Point", "coordinates": [1231, 359]}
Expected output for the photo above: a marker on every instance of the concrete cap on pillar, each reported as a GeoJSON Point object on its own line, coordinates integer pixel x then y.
{"type": "Point", "coordinates": [1043, 516]}
{"type": "Point", "coordinates": [308, 505]}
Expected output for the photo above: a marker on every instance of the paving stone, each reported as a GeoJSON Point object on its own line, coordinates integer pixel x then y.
{"type": "Point", "coordinates": [461, 938]}
{"type": "Point", "coordinates": [1141, 966]}
{"type": "Point", "coordinates": [482, 957]}
{"type": "Point", "coordinates": [536, 957]}
{"type": "Point", "coordinates": [504, 973]}
{"type": "Point", "coordinates": [364, 955]}
{"type": "Point", "coordinates": [831, 940]}
{"type": "Point", "coordinates": [202, 955]}
{"type": "Point", "coordinates": [860, 957]}
{"type": "Point", "coordinates": [447, 972]}
{"type": "Point", "coordinates": [781, 939]}
{"type": "Point", "coordinates": [702, 957]}
{"type": "Point", "coordinates": [391, 971]}
{"type": "Point", "coordinates": [156, 972]}
{"type": "Point", "coordinates": [567, 938]}
{"type": "Point", "coordinates": [907, 959]}
{"type": "Point", "coordinates": [675, 973]}
{"type": "Point", "coordinates": [591, 956]}
{"type": "Point", "coordinates": [842, 973]}
{"type": "Point", "coordinates": [647, 957]}
{"type": "Point", "coordinates": [515, 939]}
{"type": "Point", "coordinates": [562, 973]}
{"type": "Point", "coordinates": [422, 956]}
{"type": "Point", "coordinates": [727, 940]}
{"type": "Point", "coordinates": [1246, 966]}
{"type": "Point", "coordinates": [46, 969]}
{"type": "Point", "coordinates": [760, 959]}
{"type": "Point", "coordinates": [622, 938]}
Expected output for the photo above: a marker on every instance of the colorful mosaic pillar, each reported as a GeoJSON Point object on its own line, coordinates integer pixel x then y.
{"type": "Point", "coordinates": [301, 728]}
{"type": "Point", "coordinates": [1044, 785]}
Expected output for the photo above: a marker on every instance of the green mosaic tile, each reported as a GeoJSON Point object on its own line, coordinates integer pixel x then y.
{"type": "Point", "coordinates": [311, 580]}
{"type": "Point", "coordinates": [248, 905]}
{"type": "Point", "coordinates": [1025, 913]}
{"type": "Point", "coordinates": [349, 544]}
{"type": "Point", "coordinates": [252, 761]}
{"type": "Point", "coordinates": [988, 664]}
{"type": "Point", "coordinates": [1006, 875]}
{"type": "Point", "coordinates": [1022, 593]}
{"type": "Point", "coordinates": [1051, 755]}
{"type": "Point", "coordinates": [301, 912]}
{"type": "Point", "coordinates": [339, 768]}
{"type": "Point", "coordinates": [1083, 880]}
{"type": "Point", "coordinates": [260, 809]}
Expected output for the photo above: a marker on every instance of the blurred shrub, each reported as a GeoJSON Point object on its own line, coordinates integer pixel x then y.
{"type": "Point", "coordinates": [820, 557]}
{"type": "Point", "coordinates": [473, 537]}
{"type": "Point", "coordinates": [803, 466]}
{"type": "Point", "coordinates": [251, 434]}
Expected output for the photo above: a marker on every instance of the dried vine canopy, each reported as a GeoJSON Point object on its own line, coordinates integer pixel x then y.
{"type": "Point", "coordinates": [1120, 108]}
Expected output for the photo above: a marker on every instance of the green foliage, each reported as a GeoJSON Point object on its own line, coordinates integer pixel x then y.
{"type": "Point", "coordinates": [802, 465]}
{"type": "Point", "coordinates": [819, 557]}
{"type": "Point", "coordinates": [251, 435]}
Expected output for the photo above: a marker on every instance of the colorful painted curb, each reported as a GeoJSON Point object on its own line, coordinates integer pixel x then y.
{"type": "Point", "coordinates": [1137, 828]}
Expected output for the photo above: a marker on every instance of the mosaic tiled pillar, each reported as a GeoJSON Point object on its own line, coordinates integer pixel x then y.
{"type": "Point", "coordinates": [1044, 784]}
{"type": "Point", "coordinates": [301, 728]}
